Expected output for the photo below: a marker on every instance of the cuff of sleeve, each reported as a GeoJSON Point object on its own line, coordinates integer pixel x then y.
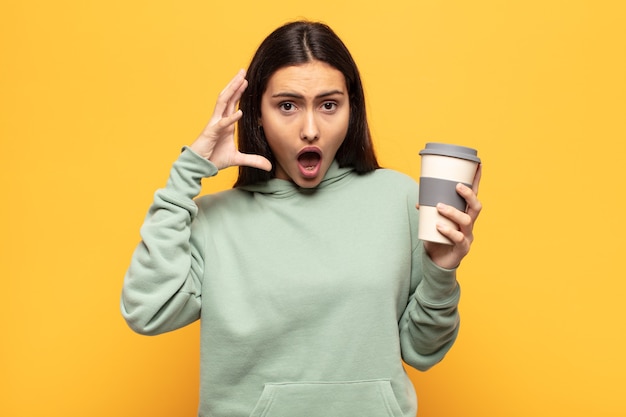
{"type": "Point", "coordinates": [204, 166]}
{"type": "Point", "coordinates": [439, 285]}
{"type": "Point", "coordinates": [186, 174]}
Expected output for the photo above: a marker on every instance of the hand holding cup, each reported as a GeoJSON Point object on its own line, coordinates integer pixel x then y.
{"type": "Point", "coordinates": [448, 203]}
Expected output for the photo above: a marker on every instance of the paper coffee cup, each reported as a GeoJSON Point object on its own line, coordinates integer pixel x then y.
{"type": "Point", "coordinates": [443, 167]}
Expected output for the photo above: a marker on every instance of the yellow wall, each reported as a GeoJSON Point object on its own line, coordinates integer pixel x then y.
{"type": "Point", "coordinates": [96, 98]}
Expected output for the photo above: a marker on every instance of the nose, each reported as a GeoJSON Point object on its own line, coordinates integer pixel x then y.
{"type": "Point", "coordinates": [310, 129]}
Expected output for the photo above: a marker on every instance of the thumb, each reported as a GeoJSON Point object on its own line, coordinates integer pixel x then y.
{"type": "Point", "coordinates": [254, 161]}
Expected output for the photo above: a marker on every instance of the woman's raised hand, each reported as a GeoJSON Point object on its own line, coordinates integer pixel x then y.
{"type": "Point", "coordinates": [216, 142]}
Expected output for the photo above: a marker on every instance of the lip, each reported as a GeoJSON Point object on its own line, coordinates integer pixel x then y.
{"type": "Point", "coordinates": [309, 149]}
{"type": "Point", "coordinates": [308, 173]}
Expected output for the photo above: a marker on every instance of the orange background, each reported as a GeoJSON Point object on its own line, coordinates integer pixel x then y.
{"type": "Point", "coordinates": [97, 97]}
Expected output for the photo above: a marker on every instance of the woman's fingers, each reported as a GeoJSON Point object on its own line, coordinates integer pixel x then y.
{"type": "Point", "coordinates": [476, 182]}
{"type": "Point", "coordinates": [238, 93]}
{"type": "Point", "coordinates": [225, 112]}
{"type": "Point", "coordinates": [460, 218]}
{"type": "Point", "coordinates": [216, 142]}
{"type": "Point", "coordinates": [462, 238]}
{"type": "Point", "coordinates": [241, 74]}
{"type": "Point", "coordinates": [474, 205]}
{"type": "Point", "coordinates": [226, 123]}
{"type": "Point", "coordinates": [464, 220]}
{"type": "Point", "coordinates": [229, 96]}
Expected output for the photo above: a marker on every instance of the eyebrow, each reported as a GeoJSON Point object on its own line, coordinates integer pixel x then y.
{"type": "Point", "coordinates": [300, 96]}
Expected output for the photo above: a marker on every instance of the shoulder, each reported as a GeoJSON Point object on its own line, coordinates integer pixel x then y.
{"type": "Point", "coordinates": [391, 178]}
{"type": "Point", "coordinates": [393, 175]}
{"type": "Point", "coordinates": [224, 200]}
{"type": "Point", "coordinates": [386, 185]}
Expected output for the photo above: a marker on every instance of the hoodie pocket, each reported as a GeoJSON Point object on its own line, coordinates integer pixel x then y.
{"type": "Point", "coordinates": [373, 398]}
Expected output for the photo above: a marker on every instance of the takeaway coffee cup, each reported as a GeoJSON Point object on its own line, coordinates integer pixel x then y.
{"type": "Point", "coordinates": [443, 167]}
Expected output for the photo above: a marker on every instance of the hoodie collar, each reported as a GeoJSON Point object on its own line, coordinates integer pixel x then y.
{"type": "Point", "coordinates": [284, 188]}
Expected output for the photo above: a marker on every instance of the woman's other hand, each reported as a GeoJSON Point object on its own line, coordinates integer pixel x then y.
{"type": "Point", "coordinates": [450, 256]}
{"type": "Point", "coordinates": [216, 142]}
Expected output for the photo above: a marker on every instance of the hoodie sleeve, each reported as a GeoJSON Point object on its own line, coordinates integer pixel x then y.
{"type": "Point", "coordinates": [430, 323]}
{"type": "Point", "coordinates": [162, 287]}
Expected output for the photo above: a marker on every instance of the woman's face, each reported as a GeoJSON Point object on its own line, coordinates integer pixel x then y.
{"type": "Point", "coordinates": [305, 112]}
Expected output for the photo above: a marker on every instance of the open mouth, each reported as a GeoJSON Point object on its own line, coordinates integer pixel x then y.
{"type": "Point", "coordinates": [309, 161]}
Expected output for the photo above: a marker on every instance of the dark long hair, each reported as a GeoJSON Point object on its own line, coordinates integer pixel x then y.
{"type": "Point", "coordinates": [294, 44]}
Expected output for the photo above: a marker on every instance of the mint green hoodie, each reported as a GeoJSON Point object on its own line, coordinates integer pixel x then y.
{"type": "Point", "coordinates": [309, 299]}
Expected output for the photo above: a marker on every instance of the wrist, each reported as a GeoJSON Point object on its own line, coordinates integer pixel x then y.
{"type": "Point", "coordinates": [442, 255]}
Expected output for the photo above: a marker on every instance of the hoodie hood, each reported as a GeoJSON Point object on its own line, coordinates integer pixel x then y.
{"type": "Point", "coordinates": [284, 188]}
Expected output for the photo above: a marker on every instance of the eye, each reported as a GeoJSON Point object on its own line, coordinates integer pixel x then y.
{"type": "Point", "coordinates": [329, 106]}
{"type": "Point", "coordinates": [287, 106]}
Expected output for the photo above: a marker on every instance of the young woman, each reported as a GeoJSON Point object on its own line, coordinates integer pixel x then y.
{"type": "Point", "coordinates": [308, 277]}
